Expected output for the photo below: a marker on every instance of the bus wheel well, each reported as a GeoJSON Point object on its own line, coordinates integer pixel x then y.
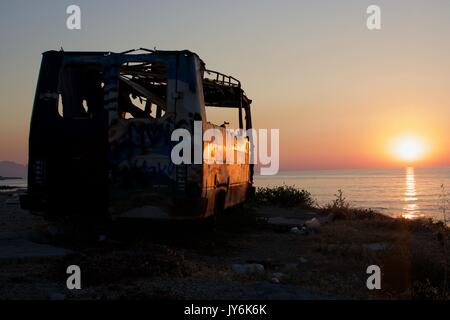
{"type": "Point", "coordinates": [219, 204]}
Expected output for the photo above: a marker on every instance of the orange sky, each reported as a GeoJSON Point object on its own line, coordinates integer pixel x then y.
{"type": "Point", "coordinates": [338, 92]}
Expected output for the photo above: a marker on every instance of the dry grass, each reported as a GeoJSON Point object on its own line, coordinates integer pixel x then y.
{"type": "Point", "coordinates": [414, 263]}
{"type": "Point", "coordinates": [100, 268]}
{"type": "Point", "coordinates": [157, 262]}
{"type": "Point", "coordinates": [414, 258]}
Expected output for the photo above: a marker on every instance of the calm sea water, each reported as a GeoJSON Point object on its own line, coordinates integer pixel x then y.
{"type": "Point", "coordinates": [409, 192]}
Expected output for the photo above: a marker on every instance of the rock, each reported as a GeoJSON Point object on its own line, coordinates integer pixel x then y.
{"type": "Point", "coordinates": [329, 218]}
{"type": "Point", "coordinates": [285, 222]}
{"type": "Point", "coordinates": [20, 249]}
{"type": "Point", "coordinates": [55, 296]}
{"type": "Point", "coordinates": [227, 276]}
{"type": "Point", "coordinates": [249, 268]}
{"type": "Point", "coordinates": [278, 275]}
{"type": "Point", "coordinates": [376, 246]}
{"type": "Point", "coordinates": [266, 263]}
{"type": "Point", "coordinates": [297, 231]}
{"type": "Point", "coordinates": [8, 235]}
{"type": "Point", "coordinates": [303, 260]}
{"type": "Point", "coordinates": [55, 230]}
{"type": "Point", "coordinates": [12, 202]}
{"type": "Point", "coordinates": [313, 224]}
{"type": "Point", "coordinates": [291, 267]}
{"type": "Point", "coordinates": [275, 280]}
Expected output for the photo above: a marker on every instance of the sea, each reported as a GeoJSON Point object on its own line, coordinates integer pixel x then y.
{"type": "Point", "coordinates": [407, 192]}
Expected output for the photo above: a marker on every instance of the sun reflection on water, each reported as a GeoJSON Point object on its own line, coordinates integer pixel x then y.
{"type": "Point", "coordinates": [411, 209]}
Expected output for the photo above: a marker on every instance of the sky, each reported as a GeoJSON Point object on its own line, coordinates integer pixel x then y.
{"type": "Point", "coordinates": [338, 92]}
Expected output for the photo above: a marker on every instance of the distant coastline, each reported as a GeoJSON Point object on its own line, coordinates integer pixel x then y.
{"type": "Point", "coordinates": [10, 170]}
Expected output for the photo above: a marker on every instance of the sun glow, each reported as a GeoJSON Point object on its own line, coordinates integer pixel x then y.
{"type": "Point", "coordinates": [409, 148]}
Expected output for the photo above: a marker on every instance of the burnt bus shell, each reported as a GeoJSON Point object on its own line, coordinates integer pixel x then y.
{"type": "Point", "coordinates": [95, 152]}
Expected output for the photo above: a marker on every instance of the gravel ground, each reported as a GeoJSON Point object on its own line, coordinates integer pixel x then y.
{"type": "Point", "coordinates": [179, 261]}
{"type": "Point", "coordinates": [184, 263]}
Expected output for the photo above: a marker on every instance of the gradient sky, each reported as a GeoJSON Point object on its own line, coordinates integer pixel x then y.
{"type": "Point", "coordinates": [338, 92]}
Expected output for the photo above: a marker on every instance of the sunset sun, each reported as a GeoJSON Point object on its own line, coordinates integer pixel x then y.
{"type": "Point", "coordinates": [409, 148]}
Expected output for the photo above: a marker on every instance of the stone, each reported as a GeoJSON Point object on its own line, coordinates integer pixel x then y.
{"type": "Point", "coordinates": [275, 280]}
{"type": "Point", "coordinates": [56, 296]}
{"type": "Point", "coordinates": [297, 231]}
{"type": "Point", "coordinates": [278, 275]}
{"type": "Point", "coordinates": [313, 224]}
{"type": "Point", "coordinates": [291, 267]}
{"type": "Point", "coordinates": [8, 235]}
{"type": "Point", "coordinates": [376, 246]}
{"type": "Point", "coordinates": [285, 222]}
{"type": "Point", "coordinates": [19, 249]}
{"type": "Point", "coordinates": [303, 260]}
{"type": "Point", "coordinates": [249, 268]}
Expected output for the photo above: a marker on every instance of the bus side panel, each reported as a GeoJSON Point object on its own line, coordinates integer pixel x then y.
{"type": "Point", "coordinates": [226, 184]}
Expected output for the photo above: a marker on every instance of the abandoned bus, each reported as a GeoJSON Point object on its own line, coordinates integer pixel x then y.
{"type": "Point", "coordinates": [100, 137]}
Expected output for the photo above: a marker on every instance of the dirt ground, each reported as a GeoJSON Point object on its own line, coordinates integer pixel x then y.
{"type": "Point", "coordinates": [136, 260]}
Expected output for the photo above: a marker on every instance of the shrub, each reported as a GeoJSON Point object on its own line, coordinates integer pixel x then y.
{"type": "Point", "coordinates": [343, 210]}
{"type": "Point", "coordinates": [284, 196]}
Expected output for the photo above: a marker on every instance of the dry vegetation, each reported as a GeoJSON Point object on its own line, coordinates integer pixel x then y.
{"type": "Point", "coordinates": [413, 254]}
{"type": "Point", "coordinates": [167, 261]}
